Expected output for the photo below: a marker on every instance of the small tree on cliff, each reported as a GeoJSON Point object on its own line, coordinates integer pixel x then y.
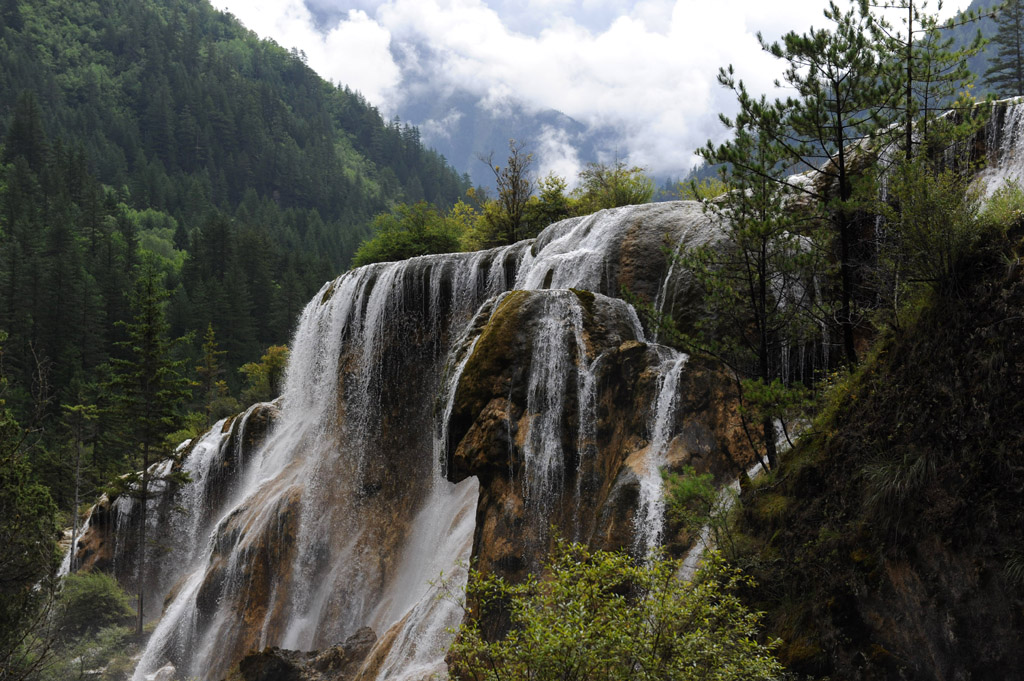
{"type": "Point", "coordinates": [600, 616]}
{"type": "Point", "coordinates": [754, 279]}
{"type": "Point", "coordinates": [604, 185]}
{"type": "Point", "coordinates": [837, 113]}
{"type": "Point", "coordinates": [514, 186]}
{"type": "Point", "coordinates": [147, 390]}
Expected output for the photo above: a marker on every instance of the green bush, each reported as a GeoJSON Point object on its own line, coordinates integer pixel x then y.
{"type": "Point", "coordinates": [1005, 208]}
{"type": "Point", "coordinates": [406, 232]}
{"type": "Point", "coordinates": [600, 615]}
{"type": "Point", "coordinates": [934, 225]}
{"type": "Point", "coordinates": [90, 602]}
{"type": "Point", "coordinates": [611, 185]}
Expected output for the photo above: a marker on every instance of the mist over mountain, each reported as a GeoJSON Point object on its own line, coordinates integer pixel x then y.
{"type": "Point", "coordinates": [465, 130]}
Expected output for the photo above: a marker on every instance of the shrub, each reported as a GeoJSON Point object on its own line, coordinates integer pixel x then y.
{"type": "Point", "coordinates": [90, 602]}
{"type": "Point", "coordinates": [601, 615]}
{"type": "Point", "coordinates": [406, 232]}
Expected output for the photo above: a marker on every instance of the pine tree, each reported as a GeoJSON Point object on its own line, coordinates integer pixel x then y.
{"type": "Point", "coordinates": [926, 74]}
{"type": "Point", "coordinates": [148, 388]}
{"type": "Point", "coordinates": [210, 371]}
{"type": "Point", "coordinates": [754, 279]}
{"type": "Point", "coordinates": [28, 557]}
{"type": "Point", "coordinates": [1005, 73]}
{"type": "Point", "coordinates": [839, 107]}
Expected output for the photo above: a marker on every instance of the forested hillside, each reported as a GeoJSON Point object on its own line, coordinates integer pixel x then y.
{"type": "Point", "coordinates": [163, 138]}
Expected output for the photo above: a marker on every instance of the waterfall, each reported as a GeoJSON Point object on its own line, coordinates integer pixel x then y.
{"type": "Point", "coordinates": [305, 496]}
{"type": "Point", "coordinates": [1003, 139]}
{"type": "Point", "coordinates": [346, 498]}
{"type": "Point", "coordinates": [650, 517]}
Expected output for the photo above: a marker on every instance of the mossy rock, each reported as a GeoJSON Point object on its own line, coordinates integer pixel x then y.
{"type": "Point", "coordinates": [495, 350]}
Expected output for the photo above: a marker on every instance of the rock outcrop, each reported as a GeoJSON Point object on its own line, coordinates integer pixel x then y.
{"type": "Point", "coordinates": [889, 545]}
{"type": "Point", "coordinates": [338, 663]}
{"type": "Point", "coordinates": [108, 541]}
{"type": "Point", "coordinates": [435, 409]}
{"type": "Point", "coordinates": [565, 446]}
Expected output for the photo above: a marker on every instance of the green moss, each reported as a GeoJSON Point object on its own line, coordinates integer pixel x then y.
{"type": "Point", "coordinates": [586, 299]}
{"type": "Point", "coordinates": [328, 294]}
{"type": "Point", "coordinates": [491, 355]}
{"type": "Point", "coordinates": [799, 652]}
{"type": "Point", "coordinates": [934, 409]}
{"type": "Point", "coordinates": [771, 506]}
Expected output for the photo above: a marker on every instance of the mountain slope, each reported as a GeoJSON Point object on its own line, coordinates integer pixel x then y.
{"type": "Point", "coordinates": [163, 134]}
{"type": "Point", "coordinates": [889, 546]}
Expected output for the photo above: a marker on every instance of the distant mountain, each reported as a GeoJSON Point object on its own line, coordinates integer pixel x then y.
{"type": "Point", "coordinates": [964, 34]}
{"type": "Point", "coordinates": [464, 128]}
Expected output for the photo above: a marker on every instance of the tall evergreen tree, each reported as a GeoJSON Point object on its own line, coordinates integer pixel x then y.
{"type": "Point", "coordinates": [926, 73]}
{"type": "Point", "coordinates": [1005, 73]}
{"type": "Point", "coordinates": [754, 280]}
{"type": "Point", "coordinates": [839, 106]}
{"type": "Point", "coordinates": [147, 387]}
{"type": "Point", "coordinates": [28, 557]}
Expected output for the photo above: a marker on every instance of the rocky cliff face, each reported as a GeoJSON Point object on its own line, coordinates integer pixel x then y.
{"type": "Point", "coordinates": [435, 410]}
{"type": "Point", "coordinates": [566, 449]}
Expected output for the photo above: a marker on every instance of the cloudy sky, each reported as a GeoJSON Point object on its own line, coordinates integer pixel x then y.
{"type": "Point", "coordinates": [644, 69]}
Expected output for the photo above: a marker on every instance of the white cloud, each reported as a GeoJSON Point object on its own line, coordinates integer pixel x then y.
{"type": "Point", "coordinates": [556, 154]}
{"type": "Point", "coordinates": [355, 52]}
{"type": "Point", "coordinates": [644, 69]}
{"type": "Point", "coordinates": [443, 127]}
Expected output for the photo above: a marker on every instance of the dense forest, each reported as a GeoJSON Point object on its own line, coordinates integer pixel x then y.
{"type": "Point", "coordinates": [164, 137]}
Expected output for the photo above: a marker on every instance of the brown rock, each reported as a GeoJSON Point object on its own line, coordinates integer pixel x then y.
{"type": "Point", "coordinates": [597, 498]}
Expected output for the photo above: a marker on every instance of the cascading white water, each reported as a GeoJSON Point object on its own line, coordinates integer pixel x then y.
{"type": "Point", "coordinates": [316, 459]}
{"type": "Point", "coordinates": [1004, 143]}
{"type": "Point", "coordinates": [347, 495]}
{"type": "Point", "coordinates": [650, 516]}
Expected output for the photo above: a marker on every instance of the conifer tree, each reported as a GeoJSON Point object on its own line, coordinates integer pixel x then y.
{"type": "Point", "coordinates": [1005, 73]}
{"type": "Point", "coordinates": [147, 387]}
{"type": "Point", "coordinates": [927, 75]}
{"type": "Point", "coordinates": [28, 552]}
{"type": "Point", "coordinates": [754, 279]}
{"type": "Point", "coordinates": [840, 105]}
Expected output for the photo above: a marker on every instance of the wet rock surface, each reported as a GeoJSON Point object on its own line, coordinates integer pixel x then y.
{"type": "Point", "coordinates": [338, 663]}
{"type": "Point", "coordinates": [603, 447]}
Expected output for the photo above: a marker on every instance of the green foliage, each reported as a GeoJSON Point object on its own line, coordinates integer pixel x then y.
{"type": "Point", "coordinates": [28, 532]}
{"type": "Point", "coordinates": [933, 229]}
{"type": "Point", "coordinates": [264, 378]}
{"type": "Point", "coordinates": [147, 390]}
{"type": "Point", "coordinates": [166, 132]}
{"type": "Point", "coordinates": [1003, 210]}
{"type": "Point", "coordinates": [89, 602]}
{"type": "Point", "coordinates": [702, 190]}
{"type": "Point", "coordinates": [756, 280]}
{"type": "Point", "coordinates": [1005, 73]}
{"type": "Point", "coordinates": [915, 448]}
{"type": "Point", "coordinates": [603, 615]}
{"type": "Point", "coordinates": [406, 232]}
{"type": "Point", "coordinates": [107, 654]}
{"type": "Point", "coordinates": [551, 204]}
{"type": "Point", "coordinates": [505, 218]}
{"type": "Point", "coordinates": [692, 501]}
{"type": "Point", "coordinates": [604, 185]}
{"type": "Point", "coordinates": [927, 76]}
{"type": "Point", "coordinates": [148, 386]}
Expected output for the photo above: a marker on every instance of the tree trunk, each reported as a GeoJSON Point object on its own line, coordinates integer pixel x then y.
{"type": "Point", "coordinates": [140, 568]}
